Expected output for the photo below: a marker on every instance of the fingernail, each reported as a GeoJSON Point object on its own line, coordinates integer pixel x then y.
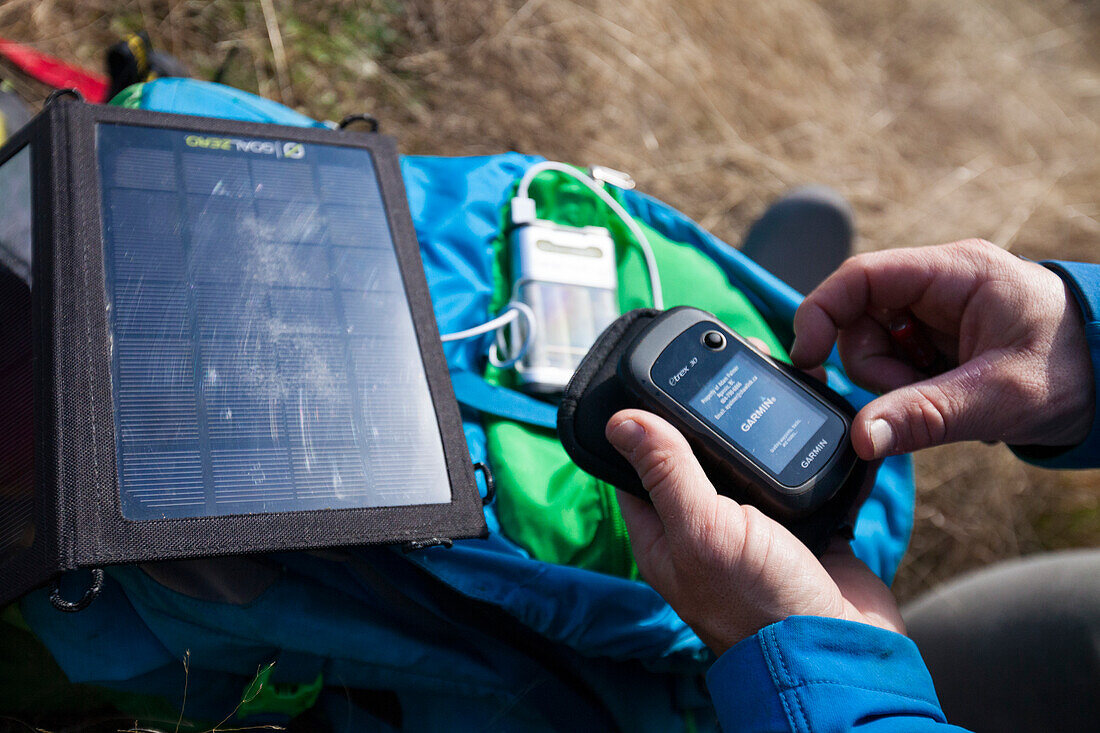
{"type": "Point", "coordinates": [626, 436]}
{"type": "Point", "coordinates": [882, 437]}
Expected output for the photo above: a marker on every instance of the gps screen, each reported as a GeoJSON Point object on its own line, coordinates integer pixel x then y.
{"type": "Point", "coordinates": [758, 412]}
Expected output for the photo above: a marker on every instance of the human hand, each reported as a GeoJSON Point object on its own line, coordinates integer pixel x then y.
{"type": "Point", "coordinates": [726, 568]}
{"type": "Point", "coordinates": [1009, 329]}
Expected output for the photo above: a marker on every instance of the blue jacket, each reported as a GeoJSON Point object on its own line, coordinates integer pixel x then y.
{"type": "Point", "coordinates": [815, 674]}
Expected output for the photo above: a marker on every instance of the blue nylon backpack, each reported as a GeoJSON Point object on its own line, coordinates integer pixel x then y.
{"type": "Point", "coordinates": [476, 636]}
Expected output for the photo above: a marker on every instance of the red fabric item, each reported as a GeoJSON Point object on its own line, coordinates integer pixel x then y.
{"type": "Point", "coordinates": [55, 72]}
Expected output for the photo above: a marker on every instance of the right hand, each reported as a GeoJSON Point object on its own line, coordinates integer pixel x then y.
{"type": "Point", "coordinates": [1010, 330]}
{"type": "Point", "coordinates": [726, 568]}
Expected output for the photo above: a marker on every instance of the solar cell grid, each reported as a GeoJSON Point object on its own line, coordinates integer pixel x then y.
{"type": "Point", "coordinates": [264, 357]}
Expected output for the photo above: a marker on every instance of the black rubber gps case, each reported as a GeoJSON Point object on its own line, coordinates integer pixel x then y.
{"type": "Point", "coordinates": [597, 392]}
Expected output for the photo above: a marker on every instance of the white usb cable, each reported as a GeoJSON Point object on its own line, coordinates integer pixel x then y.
{"type": "Point", "coordinates": [512, 311]}
{"type": "Point", "coordinates": [524, 212]}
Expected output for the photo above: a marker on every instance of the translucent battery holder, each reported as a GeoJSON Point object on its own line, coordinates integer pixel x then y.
{"type": "Point", "coordinates": [567, 276]}
{"type": "Point", "coordinates": [568, 318]}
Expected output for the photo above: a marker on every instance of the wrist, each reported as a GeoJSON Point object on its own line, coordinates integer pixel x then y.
{"type": "Point", "coordinates": [1079, 431]}
{"type": "Point", "coordinates": [1075, 417]}
{"type": "Point", "coordinates": [1076, 413]}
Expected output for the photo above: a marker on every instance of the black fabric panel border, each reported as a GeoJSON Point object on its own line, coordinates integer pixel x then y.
{"type": "Point", "coordinates": [91, 520]}
{"type": "Point", "coordinates": [41, 561]}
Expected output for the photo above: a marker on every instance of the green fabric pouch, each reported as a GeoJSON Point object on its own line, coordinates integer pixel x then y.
{"type": "Point", "coordinates": [545, 503]}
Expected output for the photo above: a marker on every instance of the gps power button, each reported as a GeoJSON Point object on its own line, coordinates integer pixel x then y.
{"type": "Point", "coordinates": [714, 340]}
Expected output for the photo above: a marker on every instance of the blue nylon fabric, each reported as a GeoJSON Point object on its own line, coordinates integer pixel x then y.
{"type": "Point", "coordinates": [490, 399]}
{"type": "Point", "coordinates": [809, 674]}
{"type": "Point", "coordinates": [103, 630]}
{"type": "Point", "coordinates": [335, 609]}
{"type": "Point", "coordinates": [208, 99]}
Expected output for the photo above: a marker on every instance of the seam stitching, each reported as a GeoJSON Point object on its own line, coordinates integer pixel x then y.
{"type": "Point", "coordinates": [883, 690]}
{"type": "Point", "coordinates": [766, 652]}
{"type": "Point", "coordinates": [792, 688]}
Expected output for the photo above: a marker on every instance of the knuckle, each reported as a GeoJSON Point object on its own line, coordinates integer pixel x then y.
{"type": "Point", "coordinates": [928, 413]}
{"type": "Point", "coordinates": [754, 522]}
{"type": "Point", "coordinates": [713, 536]}
{"type": "Point", "coordinates": [1008, 388]}
{"type": "Point", "coordinates": [983, 254]}
{"type": "Point", "coordinates": [851, 269]}
{"type": "Point", "coordinates": [860, 262]}
{"type": "Point", "coordinates": [976, 244]}
{"type": "Point", "coordinates": [757, 540]}
{"type": "Point", "coordinates": [658, 469]}
{"type": "Point", "coordinates": [860, 259]}
{"type": "Point", "coordinates": [714, 525]}
{"type": "Point", "coordinates": [975, 248]}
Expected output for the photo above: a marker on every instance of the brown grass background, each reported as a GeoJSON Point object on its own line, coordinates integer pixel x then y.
{"type": "Point", "coordinates": [939, 120]}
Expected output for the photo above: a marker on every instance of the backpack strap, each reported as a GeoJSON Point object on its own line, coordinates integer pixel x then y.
{"type": "Point", "coordinates": [473, 391]}
{"type": "Point", "coordinates": [288, 686]}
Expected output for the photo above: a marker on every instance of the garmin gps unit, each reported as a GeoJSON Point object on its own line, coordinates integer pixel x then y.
{"type": "Point", "coordinates": [782, 440]}
{"type": "Point", "coordinates": [216, 337]}
{"type": "Point", "coordinates": [765, 433]}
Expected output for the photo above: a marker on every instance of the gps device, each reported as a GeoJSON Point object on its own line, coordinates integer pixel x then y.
{"type": "Point", "coordinates": [783, 436]}
{"type": "Point", "coordinates": [765, 433]}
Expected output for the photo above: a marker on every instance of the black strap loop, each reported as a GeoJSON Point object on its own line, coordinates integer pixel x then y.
{"type": "Point", "coordinates": [57, 94]}
{"type": "Point", "coordinates": [370, 120]}
{"type": "Point", "coordinates": [490, 482]}
{"type": "Point", "coordinates": [90, 594]}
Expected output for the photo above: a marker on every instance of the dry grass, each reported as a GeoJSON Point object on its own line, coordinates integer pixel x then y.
{"type": "Point", "coordinates": [938, 119]}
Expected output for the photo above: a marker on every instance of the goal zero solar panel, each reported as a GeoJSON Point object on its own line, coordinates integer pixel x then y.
{"type": "Point", "coordinates": [233, 346]}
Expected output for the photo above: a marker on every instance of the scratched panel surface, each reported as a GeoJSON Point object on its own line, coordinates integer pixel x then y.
{"type": "Point", "coordinates": [263, 352]}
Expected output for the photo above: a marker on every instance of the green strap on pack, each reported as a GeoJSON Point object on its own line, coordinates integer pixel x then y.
{"type": "Point", "coordinates": [263, 696]}
{"type": "Point", "coordinates": [545, 503]}
{"type": "Point", "coordinates": [130, 97]}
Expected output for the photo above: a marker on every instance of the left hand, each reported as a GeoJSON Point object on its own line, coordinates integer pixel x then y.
{"type": "Point", "coordinates": [726, 568]}
{"type": "Point", "coordinates": [1009, 333]}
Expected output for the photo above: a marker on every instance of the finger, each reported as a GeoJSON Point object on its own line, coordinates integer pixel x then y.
{"type": "Point", "coordinates": [646, 533]}
{"type": "Point", "coordinates": [861, 284]}
{"type": "Point", "coordinates": [817, 373]}
{"type": "Point", "coordinates": [815, 332]}
{"type": "Point", "coordinates": [760, 344]}
{"type": "Point", "coordinates": [678, 487]}
{"type": "Point", "coordinates": [952, 406]}
{"type": "Point", "coordinates": [869, 357]}
{"type": "Point", "coordinates": [641, 520]}
{"type": "Point", "coordinates": [933, 282]}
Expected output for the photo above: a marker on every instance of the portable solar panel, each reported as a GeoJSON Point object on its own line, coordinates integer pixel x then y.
{"type": "Point", "coordinates": [215, 338]}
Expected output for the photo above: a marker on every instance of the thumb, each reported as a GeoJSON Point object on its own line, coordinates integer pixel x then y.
{"type": "Point", "coordinates": [950, 407]}
{"type": "Point", "coordinates": [677, 485]}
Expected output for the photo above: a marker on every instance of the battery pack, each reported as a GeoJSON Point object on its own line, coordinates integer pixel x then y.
{"type": "Point", "coordinates": [567, 276]}
{"type": "Point", "coordinates": [215, 338]}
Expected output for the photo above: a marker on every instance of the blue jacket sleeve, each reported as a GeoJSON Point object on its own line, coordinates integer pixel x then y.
{"type": "Point", "coordinates": [808, 674]}
{"type": "Point", "coordinates": [1083, 280]}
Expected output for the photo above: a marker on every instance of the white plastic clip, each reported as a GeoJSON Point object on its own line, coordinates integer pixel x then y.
{"type": "Point", "coordinates": [618, 179]}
